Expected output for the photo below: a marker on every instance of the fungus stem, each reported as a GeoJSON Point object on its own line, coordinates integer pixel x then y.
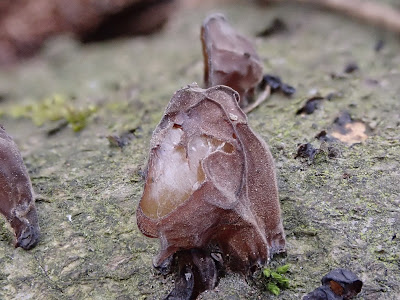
{"type": "Point", "coordinates": [260, 99]}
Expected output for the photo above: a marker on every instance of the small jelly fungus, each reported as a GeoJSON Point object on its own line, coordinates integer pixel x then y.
{"type": "Point", "coordinates": [17, 201]}
{"type": "Point", "coordinates": [229, 58]}
{"type": "Point", "coordinates": [210, 188]}
{"type": "Point", "coordinates": [338, 284]}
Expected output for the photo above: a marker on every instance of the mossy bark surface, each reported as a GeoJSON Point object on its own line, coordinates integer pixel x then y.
{"type": "Point", "coordinates": [338, 212]}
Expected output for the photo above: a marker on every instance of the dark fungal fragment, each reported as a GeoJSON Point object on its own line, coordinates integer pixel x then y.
{"type": "Point", "coordinates": [277, 26]}
{"type": "Point", "coordinates": [338, 284]}
{"type": "Point", "coordinates": [351, 67]}
{"type": "Point", "coordinates": [310, 106]}
{"type": "Point", "coordinates": [276, 85]}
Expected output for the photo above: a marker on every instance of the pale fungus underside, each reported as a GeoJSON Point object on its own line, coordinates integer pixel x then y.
{"type": "Point", "coordinates": [211, 184]}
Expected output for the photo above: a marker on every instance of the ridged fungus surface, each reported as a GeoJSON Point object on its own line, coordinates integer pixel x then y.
{"type": "Point", "coordinates": [229, 58]}
{"type": "Point", "coordinates": [210, 187]}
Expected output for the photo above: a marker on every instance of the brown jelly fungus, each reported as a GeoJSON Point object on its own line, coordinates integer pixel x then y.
{"type": "Point", "coordinates": [229, 58]}
{"type": "Point", "coordinates": [210, 186]}
{"type": "Point", "coordinates": [17, 203]}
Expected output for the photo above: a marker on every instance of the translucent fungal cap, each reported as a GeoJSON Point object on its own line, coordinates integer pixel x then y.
{"type": "Point", "coordinates": [211, 181]}
{"type": "Point", "coordinates": [229, 58]}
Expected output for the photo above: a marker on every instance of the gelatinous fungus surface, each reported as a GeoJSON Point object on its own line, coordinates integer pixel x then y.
{"type": "Point", "coordinates": [229, 58]}
{"type": "Point", "coordinates": [211, 182]}
{"type": "Point", "coordinates": [17, 202]}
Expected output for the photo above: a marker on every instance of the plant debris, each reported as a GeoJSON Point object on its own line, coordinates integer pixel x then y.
{"type": "Point", "coordinates": [339, 284]}
{"type": "Point", "coordinates": [379, 45]}
{"type": "Point", "coordinates": [276, 85]}
{"type": "Point", "coordinates": [192, 266]}
{"type": "Point", "coordinates": [123, 139]}
{"type": "Point", "coordinates": [323, 136]}
{"type": "Point", "coordinates": [277, 26]}
{"type": "Point", "coordinates": [288, 90]}
{"type": "Point", "coordinates": [311, 105]}
{"type": "Point", "coordinates": [351, 67]}
{"type": "Point", "coordinates": [311, 154]}
{"type": "Point", "coordinates": [349, 131]}
{"type": "Point", "coordinates": [275, 280]}
{"type": "Point", "coordinates": [306, 151]}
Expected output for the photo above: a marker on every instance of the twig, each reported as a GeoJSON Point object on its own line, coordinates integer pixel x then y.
{"type": "Point", "coordinates": [369, 11]}
{"type": "Point", "coordinates": [260, 99]}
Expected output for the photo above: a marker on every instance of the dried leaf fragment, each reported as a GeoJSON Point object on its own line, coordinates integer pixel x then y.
{"type": "Point", "coordinates": [17, 203]}
{"type": "Point", "coordinates": [277, 26]}
{"type": "Point", "coordinates": [229, 58]}
{"type": "Point", "coordinates": [210, 183]}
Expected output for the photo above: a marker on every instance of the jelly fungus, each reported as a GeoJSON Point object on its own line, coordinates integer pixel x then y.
{"type": "Point", "coordinates": [210, 188]}
{"type": "Point", "coordinates": [229, 58]}
{"type": "Point", "coordinates": [17, 202]}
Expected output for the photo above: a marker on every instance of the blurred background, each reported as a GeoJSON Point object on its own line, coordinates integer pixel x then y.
{"type": "Point", "coordinates": [26, 24]}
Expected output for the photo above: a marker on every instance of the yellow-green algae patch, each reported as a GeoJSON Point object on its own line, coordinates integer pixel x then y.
{"type": "Point", "coordinates": [53, 108]}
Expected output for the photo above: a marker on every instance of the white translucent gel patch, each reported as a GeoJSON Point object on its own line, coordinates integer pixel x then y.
{"type": "Point", "coordinates": [174, 173]}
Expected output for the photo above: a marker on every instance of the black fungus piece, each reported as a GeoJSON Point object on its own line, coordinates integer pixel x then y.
{"type": "Point", "coordinates": [323, 136]}
{"type": "Point", "coordinates": [343, 119]}
{"type": "Point", "coordinates": [123, 139]}
{"type": "Point", "coordinates": [277, 26]}
{"type": "Point", "coordinates": [288, 90]}
{"type": "Point", "coordinates": [273, 81]}
{"type": "Point", "coordinates": [311, 105]}
{"type": "Point", "coordinates": [197, 272]}
{"type": "Point", "coordinates": [351, 67]}
{"type": "Point", "coordinates": [184, 286]}
{"type": "Point", "coordinates": [306, 151]}
{"type": "Point", "coordinates": [379, 45]}
{"type": "Point", "coordinates": [276, 84]}
{"type": "Point", "coordinates": [333, 96]}
{"type": "Point", "coordinates": [338, 284]}
{"type": "Point", "coordinates": [343, 283]}
{"type": "Point", "coordinates": [322, 293]}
